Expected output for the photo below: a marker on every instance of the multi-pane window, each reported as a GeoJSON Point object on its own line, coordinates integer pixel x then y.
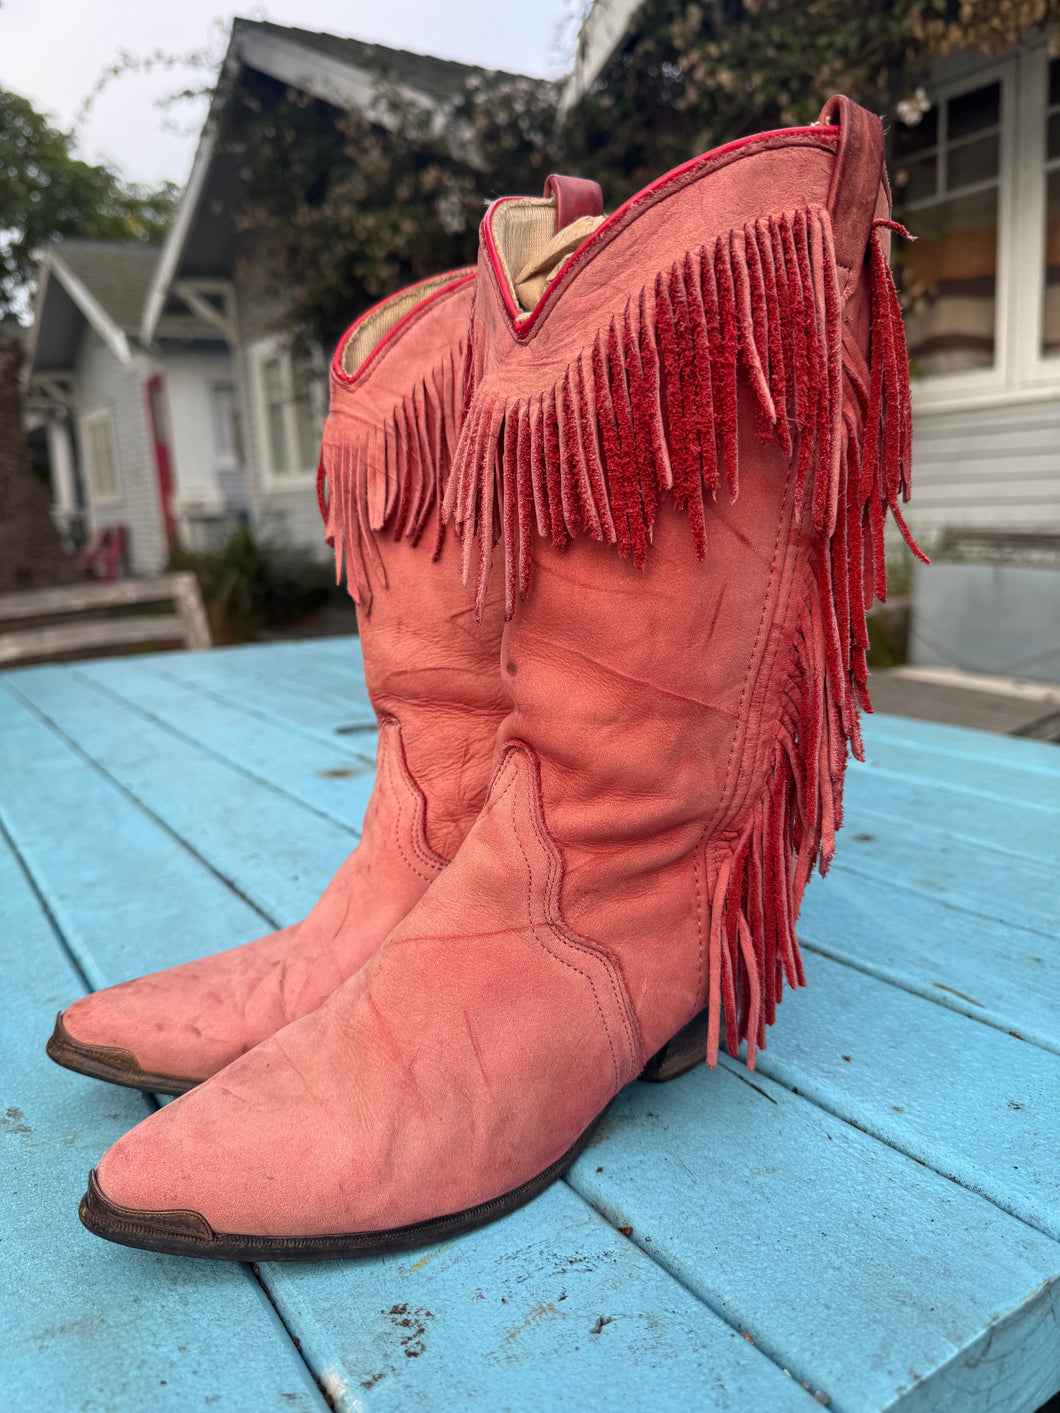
{"type": "Point", "coordinates": [1051, 303]}
{"type": "Point", "coordinates": [293, 415]}
{"type": "Point", "coordinates": [101, 455]}
{"type": "Point", "coordinates": [947, 177]}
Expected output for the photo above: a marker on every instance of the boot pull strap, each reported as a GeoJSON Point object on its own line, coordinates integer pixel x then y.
{"type": "Point", "coordinates": [574, 197]}
{"type": "Point", "coordinates": [856, 177]}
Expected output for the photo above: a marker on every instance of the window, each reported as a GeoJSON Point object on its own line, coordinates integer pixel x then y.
{"type": "Point", "coordinates": [977, 180]}
{"type": "Point", "coordinates": [1051, 302]}
{"type": "Point", "coordinates": [227, 426]}
{"type": "Point", "coordinates": [947, 186]}
{"type": "Point", "coordinates": [101, 455]}
{"type": "Point", "coordinates": [290, 393]}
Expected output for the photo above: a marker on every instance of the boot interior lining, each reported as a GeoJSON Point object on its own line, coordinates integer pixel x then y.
{"type": "Point", "coordinates": [375, 327]}
{"type": "Point", "coordinates": [521, 231]}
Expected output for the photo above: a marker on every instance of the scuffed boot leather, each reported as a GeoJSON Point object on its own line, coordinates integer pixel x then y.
{"type": "Point", "coordinates": [432, 676]}
{"type": "Point", "coordinates": [684, 665]}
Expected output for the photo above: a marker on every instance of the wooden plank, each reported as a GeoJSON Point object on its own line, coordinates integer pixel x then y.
{"type": "Point", "coordinates": [931, 863]}
{"type": "Point", "coordinates": [193, 611]}
{"type": "Point", "coordinates": [80, 598]}
{"type": "Point", "coordinates": [332, 779]}
{"type": "Point", "coordinates": [1028, 831]}
{"type": "Point", "coordinates": [920, 766]}
{"type": "Point", "coordinates": [1003, 975]}
{"type": "Point", "coordinates": [289, 696]}
{"type": "Point", "coordinates": [334, 666]}
{"type": "Point", "coordinates": [875, 1280]}
{"type": "Point", "coordinates": [972, 1102]}
{"type": "Point", "coordinates": [549, 1309]}
{"type": "Point", "coordinates": [89, 1325]}
{"type": "Point", "coordinates": [277, 853]}
{"type": "Point", "coordinates": [127, 894]}
{"type": "Point", "coordinates": [88, 637]}
{"type": "Point", "coordinates": [942, 750]}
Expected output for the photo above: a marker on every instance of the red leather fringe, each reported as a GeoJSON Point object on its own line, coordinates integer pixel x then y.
{"type": "Point", "coordinates": [649, 407]}
{"type": "Point", "coordinates": [386, 473]}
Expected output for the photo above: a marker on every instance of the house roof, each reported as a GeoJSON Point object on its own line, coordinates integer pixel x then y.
{"type": "Point", "coordinates": [342, 72]}
{"type": "Point", "coordinates": [116, 273]}
{"type": "Point", "coordinates": [441, 79]}
{"type": "Point", "coordinates": [103, 283]}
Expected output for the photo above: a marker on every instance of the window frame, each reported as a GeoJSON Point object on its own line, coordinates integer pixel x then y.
{"type": "Point", "coordinates": [235, 459]}
{"type": "Point", "coordinates": [1021, 373]}
{"type": "Point", "coordinates": [100, 417]}
{"type": "Point", "coordinates": [968, 387]}
{"type": "Point", "coordinates": [261, 353]}
{"type": "Point", "coordinates": [1037, 368]}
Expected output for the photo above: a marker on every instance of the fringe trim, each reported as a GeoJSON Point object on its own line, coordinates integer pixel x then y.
{"type": "Point", "coordinates": [389, 475]}
{"type": "Point", "coordinates": [650, 408]}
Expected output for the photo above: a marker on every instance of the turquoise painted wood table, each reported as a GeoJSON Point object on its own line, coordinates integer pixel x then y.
{"type": "Point", "coordinates": [871, 1221]}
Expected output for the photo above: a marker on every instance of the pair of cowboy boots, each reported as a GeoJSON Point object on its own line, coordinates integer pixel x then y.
{"type": "Point", "coordinates": [608, 767]}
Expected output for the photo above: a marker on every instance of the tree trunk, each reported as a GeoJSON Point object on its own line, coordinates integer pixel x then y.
{"type": "Point", "coordinates": [31, 553]}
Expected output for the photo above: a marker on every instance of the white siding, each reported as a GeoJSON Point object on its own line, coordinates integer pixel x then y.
{"type": "Point", "coordinates": [988, 466]}
{"type": "Point", "coordinates": [102, 381]}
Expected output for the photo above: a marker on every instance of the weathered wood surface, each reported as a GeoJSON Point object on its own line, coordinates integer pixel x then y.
{"type": "Point", "coordinates": [85, 634]}
{"type": "Point", "coordinates": [102, 634]}
{"type": "Point", "coordinates": [875, 1214]}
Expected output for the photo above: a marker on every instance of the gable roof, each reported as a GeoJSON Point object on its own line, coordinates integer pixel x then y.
{"type": "Point", "coordinates": [440, 79]}
{"type": "Point", "coordinates": [342, 72]}
{"type": "Point", "coordinates": [116, 273]}
{"type": "Point", "coordinates": [103, 283]}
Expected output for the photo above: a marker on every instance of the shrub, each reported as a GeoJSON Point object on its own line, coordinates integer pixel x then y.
{"type": "Point", "coordinates": [251, 584]}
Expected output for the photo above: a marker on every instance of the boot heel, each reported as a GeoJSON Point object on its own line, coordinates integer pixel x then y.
{"type": "Point", "coordinates": [682, 1052]}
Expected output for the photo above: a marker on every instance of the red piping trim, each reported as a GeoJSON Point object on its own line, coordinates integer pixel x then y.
{"type": "Point", "coordinates": [522, 324]}
{"type": "Point", "coordinates": [460, 278]}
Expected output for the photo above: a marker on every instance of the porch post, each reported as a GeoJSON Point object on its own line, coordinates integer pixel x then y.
{"type": "Point", "coordinates": [61, 459]}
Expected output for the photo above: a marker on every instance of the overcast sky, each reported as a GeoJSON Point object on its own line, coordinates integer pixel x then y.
{"type": "Point", "coordinates": [53, 52]}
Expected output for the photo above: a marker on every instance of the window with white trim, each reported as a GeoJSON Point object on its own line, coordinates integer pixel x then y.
{"type": "Point", "coordinates": [290, 396]}
{"type": "Point", "coordinates": [947, 181]}
{"type": "Point", "coordinates": [101, 455]}
{"type": "Point", "coordinates": [976, 178]}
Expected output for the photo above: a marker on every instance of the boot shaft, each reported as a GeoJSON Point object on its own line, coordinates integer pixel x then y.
{"type": "Point", "coordinates": [724, 351]}
{"type": "Point", "coordinates": [431, 663]}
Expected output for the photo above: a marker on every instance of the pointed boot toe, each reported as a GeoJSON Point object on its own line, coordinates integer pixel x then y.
{"type": "Point", "coordinates": [429, 1095]}
{"type": "Point", "coordinates": [112, 1063]}
{"type": "Point", "coordinates": [167, 1032]}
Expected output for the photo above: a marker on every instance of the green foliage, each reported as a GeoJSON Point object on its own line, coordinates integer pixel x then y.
{"type": "Point", "coordinates": [339, 210]}
{"type": "Point", "coordinates": [251, 584]}
{"type": "Point", "coordinates": [692, 76]}
{"type": "Point", "coordinates": [47, 191]}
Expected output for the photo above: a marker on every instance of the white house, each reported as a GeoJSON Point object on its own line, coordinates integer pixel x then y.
{"type": "Point", "coordinates": [139, 435]}
{"type": "Point", "coordinates": [163, 390]}
{"type": "Point", "coordinates": [282, 394]}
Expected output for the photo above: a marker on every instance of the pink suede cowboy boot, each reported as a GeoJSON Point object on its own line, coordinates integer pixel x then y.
{"type": "Point", "coordinates": [685, 666]}
{"type": "Point", "coordinates": [432, 675]}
